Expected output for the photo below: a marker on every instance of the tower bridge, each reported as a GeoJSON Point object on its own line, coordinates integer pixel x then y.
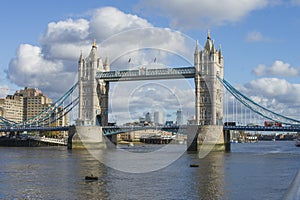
{"type": "Point", "coordinates": [94, 76]}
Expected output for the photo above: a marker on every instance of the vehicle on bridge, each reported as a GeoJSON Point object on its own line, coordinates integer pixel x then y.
{"type": "Point", "coordinates": [252, 124]}
{"type": "Point", "coordinates": [229, 124]}
{"type": "Point", "coordinates": [272, 123]}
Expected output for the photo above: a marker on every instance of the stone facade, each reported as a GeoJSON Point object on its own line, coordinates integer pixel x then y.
{"type": "Point", "coordinates": [93, 94]}
{"type": "Point", "coordinates": [208, 89]}
{"type": "Point", "coordinates": [209, 64]}
{"type": "Point", "coordinates": [11, 108]}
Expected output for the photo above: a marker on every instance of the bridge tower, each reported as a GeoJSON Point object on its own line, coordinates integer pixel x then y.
{"type": "Point", "coordinates": [208, 64]}
{"type": "Point", "coordinates": [93, 94]}
{"type": "Point", "coordinates": [209, 91]}
{"type": "Point", "coordinates": [93, 102]}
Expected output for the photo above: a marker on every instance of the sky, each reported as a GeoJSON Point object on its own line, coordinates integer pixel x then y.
{"type": "Point", "coordinates": [41, 42]}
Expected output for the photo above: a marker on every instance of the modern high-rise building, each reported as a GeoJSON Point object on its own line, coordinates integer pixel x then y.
{"type": "Point", "coordinates": [179, 117]}
{"type": "Point", "coordinates": [158, 118]}
{"type": "Point", "coordinates": [148, 117]}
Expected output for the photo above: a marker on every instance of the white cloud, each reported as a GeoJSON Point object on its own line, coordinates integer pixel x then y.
{"type": "Point", "coordinates": [196, 14]}
{"type": "Point", "coordinates": [277, 95]}
{"type": "Point", "coordinates": [295, 2]}
{"type": "Point", "coordinates": [275, 90]}
{"type": "Point", "coordinates": [30, 68]}
{"type": "Point", "coordinates": [56, 58]}
{"type": "Point", "coordinates": [278, 68]}
{"type": "Point", "coordinates": [130, 100]}
{"type": "Point", "coordinates": [256, 36]}
{"type": "Point", "coordinates": [108, 21]}
{"type": "Point", "coordinates": [4, 91]}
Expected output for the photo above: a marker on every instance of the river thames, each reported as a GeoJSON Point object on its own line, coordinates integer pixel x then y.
{"type": "Point", "coordinates": [262, 170]}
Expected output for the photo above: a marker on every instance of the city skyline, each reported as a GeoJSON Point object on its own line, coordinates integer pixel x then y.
{"type": "Point", "coordinates": [258, 39]}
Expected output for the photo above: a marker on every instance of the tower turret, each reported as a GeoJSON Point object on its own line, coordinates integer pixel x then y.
{"type": "Point", "coordinates": [197, 57]}
{"type": "Point", "coordinates": [209, 46]}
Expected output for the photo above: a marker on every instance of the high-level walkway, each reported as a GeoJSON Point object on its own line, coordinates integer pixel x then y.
{"type": "Point", "coordinates": [147, 74]}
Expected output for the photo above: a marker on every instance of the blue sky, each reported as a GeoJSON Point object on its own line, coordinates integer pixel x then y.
{"type": "Point", "coordinates": [259, 38]}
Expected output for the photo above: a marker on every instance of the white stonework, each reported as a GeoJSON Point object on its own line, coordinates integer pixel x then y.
{"type": "Point", "coordinates": [208, 90]}
{"type": "Point", "coordinates": [93, 94]}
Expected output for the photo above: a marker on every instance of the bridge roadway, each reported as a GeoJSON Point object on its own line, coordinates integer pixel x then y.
{"type": "Point", "coordinates": [112, 130]}
{"type": "Point", "coordinates": [264, 128]}
{"type": "Point", "coordinates": [147, 74]}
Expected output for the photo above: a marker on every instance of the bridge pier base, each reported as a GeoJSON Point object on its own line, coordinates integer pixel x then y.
{"type": "Point", "coordinates": [208, 138]}
{"type": "Point", "coordinates": [112, 141]}
{"type": "Point", "coordinates": [226, 134]}
{"type": "Point", "coordinates": [84, 137]}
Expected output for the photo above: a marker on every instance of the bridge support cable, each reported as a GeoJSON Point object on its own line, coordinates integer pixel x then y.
{"type": "Point", "coordinates": [48, 113]}
{"type": "Point", "coordinates": [51, 109]}
{"type": "Point", "coordinates": [6, 122]}
{"type": "Point", "coordinates": [58, 114]}
{"type": "Point", "coordinates": [48, 119]}
{"type": "Point", "coordinates": [255, 107]}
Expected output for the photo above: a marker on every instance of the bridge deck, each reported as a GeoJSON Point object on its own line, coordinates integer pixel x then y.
{"type": "Point", "coordinates": [263, 128]}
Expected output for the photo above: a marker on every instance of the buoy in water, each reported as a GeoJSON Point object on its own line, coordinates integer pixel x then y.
{"type": "Point", "coordinates": [91, 178]}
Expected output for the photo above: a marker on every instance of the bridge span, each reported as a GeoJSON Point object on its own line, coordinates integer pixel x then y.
{"type": "Point", "coordinates": [113, 130]}
{"type": "Point", "coordinates": [34, 128]}
{"type": "Point", "coordinates": [263, 128]}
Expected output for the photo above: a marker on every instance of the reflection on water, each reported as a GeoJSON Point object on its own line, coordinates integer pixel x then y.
{"type": "Point", "coordinates": [250, 171]}
{"type": "Point", "coordinates": [211, 176]}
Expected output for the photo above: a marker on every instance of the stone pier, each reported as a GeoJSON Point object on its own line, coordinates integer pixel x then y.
{"type": "Point", "coordinates": [84, 137]}
{"type": "Point", "coordinates": [208, 138]}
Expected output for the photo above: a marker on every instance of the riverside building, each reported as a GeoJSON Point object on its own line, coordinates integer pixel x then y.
{"type": "Point", "coordinates": [11, 108]}
{"type": "Point", "coordinates": [27, 103]}
{"type": "Point", "coordinates": [34, 102]}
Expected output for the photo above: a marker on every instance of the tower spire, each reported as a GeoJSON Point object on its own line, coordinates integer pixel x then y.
{"type": "Point", "coordinates": [196, 48]}
{"type": "Point", "coordinates": [208, 34]}
{"type": "Point", "coordinates": [94, 44]}
{"type": "Point", "coordinates": [80, 57]}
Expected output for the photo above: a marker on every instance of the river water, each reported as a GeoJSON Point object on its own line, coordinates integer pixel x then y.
{"type": "Point", "coordinates": [262, 170]}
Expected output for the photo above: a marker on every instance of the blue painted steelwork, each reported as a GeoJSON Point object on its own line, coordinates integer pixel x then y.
{"type": "Point", "coordinates": [49, 111]}
{"type": "Point", "coordinates": [255, 107]}
{"type": "Point", "coordinates": [35, 128]}
{"type": "Point", "coordinates": [264, 128]}
{"type": "Point", "coordinates": [113, 130]}
{"type": "Point", "coordinates": [45, 118]}
{"type": "Point", "coordinates": [147, 74]}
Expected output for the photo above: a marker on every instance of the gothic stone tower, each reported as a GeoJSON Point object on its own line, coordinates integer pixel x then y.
{"type": "Point", "coordinates": [209, 91]}
{"type": "Point", "coordinates": [93, 94]}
